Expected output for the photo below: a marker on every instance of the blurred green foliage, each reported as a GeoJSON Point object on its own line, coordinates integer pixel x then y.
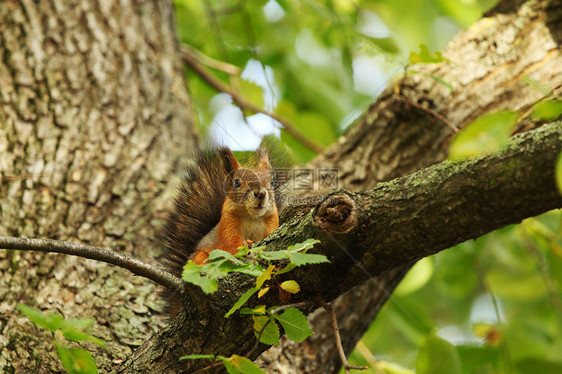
{"type": "Point", "coordinates": [493, 305]}
{"type": "Point", "coordinates": [324, 61]}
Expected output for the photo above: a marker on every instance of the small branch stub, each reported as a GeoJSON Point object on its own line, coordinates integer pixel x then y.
{"type": "Point", "coordinates": [338, 213]}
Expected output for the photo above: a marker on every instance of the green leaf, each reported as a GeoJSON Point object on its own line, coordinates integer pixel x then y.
{"type": "Point", "coordinates": [424, 57]}
{"type": "Point", "coordinates": [76, 360]}
{"type": "Point", "coordinates": [483, 135]}
{"type": "Point", "coordinates": [254, 270]}
{"type": "Point", "coordinates": [416, 277]}
{"type": "Point", "coordinates": [300, 259]}
{"type": "Point", "coordinates": [240, 365]}
{"type": "Point", "coordinates": [71, 329]}
{"type": "Point", "coordinates": [80, 323]}
{"type": "Point", "coordinates": [549, 110]}
{"type": "Point", "coordinates": [558, 172]}
{"type": "Point", "coordinates": [437, 356]}
{"type": "Point", "coordinates": [259, 249]}
{"type": "Point", "coordinates": [275, 255]}
{"type": "Point", "coordinates": [197, 357]}
{"type": "Point", "coordinates": [241, 301]}
{"type": "Point", "coordinates": [304, 246]}
{"type": "Point", "coordinates": [77, 336]}
{"type": "Point", "coordinates": [192, 274]}
{"type": "Point", "coordinates": [242, 252]}
{"type": "Point", "coordinates": [295, 324]}
{"type": "Point", "coordinates": [219, 253]}
{"type": "Point", "coordinates": [270, 334]}
{"type": "Point", "coordinates": [49, 321]}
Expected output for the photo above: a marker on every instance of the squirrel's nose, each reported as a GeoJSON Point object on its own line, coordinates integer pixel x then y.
{"type": "Point", "coordinates": [259, 194]}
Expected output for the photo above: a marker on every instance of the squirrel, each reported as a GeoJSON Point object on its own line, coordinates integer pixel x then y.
{"type": "Point", "coordinates": [220, 205]}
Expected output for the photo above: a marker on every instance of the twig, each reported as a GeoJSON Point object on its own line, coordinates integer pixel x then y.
{"type": "Point", "coordinates": [258, 339]}
{"type": "Point", "coordinates": [282, 307]}
{"type": "Point", "coordinates": [430, 111]}
{"type": "Point", "coordinates": [135, 266]}
{"type": "Point", "coordinates": [328, 308]}
{"type": "Point", "coordinates": [246, 105]}
{"type": "Point", "coordinates": [203, 59]}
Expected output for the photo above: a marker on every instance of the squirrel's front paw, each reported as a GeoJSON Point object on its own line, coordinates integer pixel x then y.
{"type": "Point", "coordinates": [247, 242]}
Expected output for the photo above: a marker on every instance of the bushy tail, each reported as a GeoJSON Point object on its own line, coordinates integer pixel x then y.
{"type": "Point", "coordinates": [197, 209]}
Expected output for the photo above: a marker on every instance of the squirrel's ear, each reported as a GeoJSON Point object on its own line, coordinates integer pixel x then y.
{"type": "Point", "coordinates": [229, 159]}
{"type": "Point", "coordinates": [263, 159]}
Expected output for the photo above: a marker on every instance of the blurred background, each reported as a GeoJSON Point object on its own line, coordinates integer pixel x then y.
{"type": "Point", "coordinates": [493, 305]}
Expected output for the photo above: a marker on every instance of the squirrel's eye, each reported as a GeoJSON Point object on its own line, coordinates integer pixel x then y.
{"type": "Point", "coordinates": [272, 182]}
{"type": "Point", "coordinates": [237, 183]}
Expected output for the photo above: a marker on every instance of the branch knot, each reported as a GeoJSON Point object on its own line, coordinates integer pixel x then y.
{"type": "Point", "coordinates": [337, 213]}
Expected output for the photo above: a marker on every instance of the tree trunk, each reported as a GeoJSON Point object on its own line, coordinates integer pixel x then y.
{"type": "Point", "coordinates": [94, 119]}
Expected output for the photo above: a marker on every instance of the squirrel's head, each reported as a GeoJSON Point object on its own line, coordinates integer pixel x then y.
{"type": "Point", "coordinates": [250, 189]}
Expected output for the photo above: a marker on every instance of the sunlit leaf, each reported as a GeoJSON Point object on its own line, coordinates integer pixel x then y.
{"type": "Point", "coordinates": [251, 92]}
{"type": "Point", "coordinates": [416, 277]}
{"type": "Point", "coordinates": [549, 110]}
{"type": "Point", "coordinates": [265, 276]}
{"type": "Point", "coordinates": [290, 286]}
{"type": "Point", "coordinates": [483, 135]}
{"type": "Point", "coordinates": [263, 291]}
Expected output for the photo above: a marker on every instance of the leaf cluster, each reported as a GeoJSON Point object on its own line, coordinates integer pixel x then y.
{"type": "Point", "coordinates": [267, 320]}
{"type": "Point", "coordinates": [74, 360]}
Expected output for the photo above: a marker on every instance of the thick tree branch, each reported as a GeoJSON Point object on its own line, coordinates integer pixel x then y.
{"type": "Point", "coordinates": [135, 266]}
{"type": "Point", "coordinates": [367, 234]}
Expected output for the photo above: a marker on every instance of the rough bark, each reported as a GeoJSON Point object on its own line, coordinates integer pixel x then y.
{"type": "Point", "coordinates": [489, 70]}
{"type": "Point", "coordinates": [94, 118]}
{"type": "Point", "coordinates": [366, 234]}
